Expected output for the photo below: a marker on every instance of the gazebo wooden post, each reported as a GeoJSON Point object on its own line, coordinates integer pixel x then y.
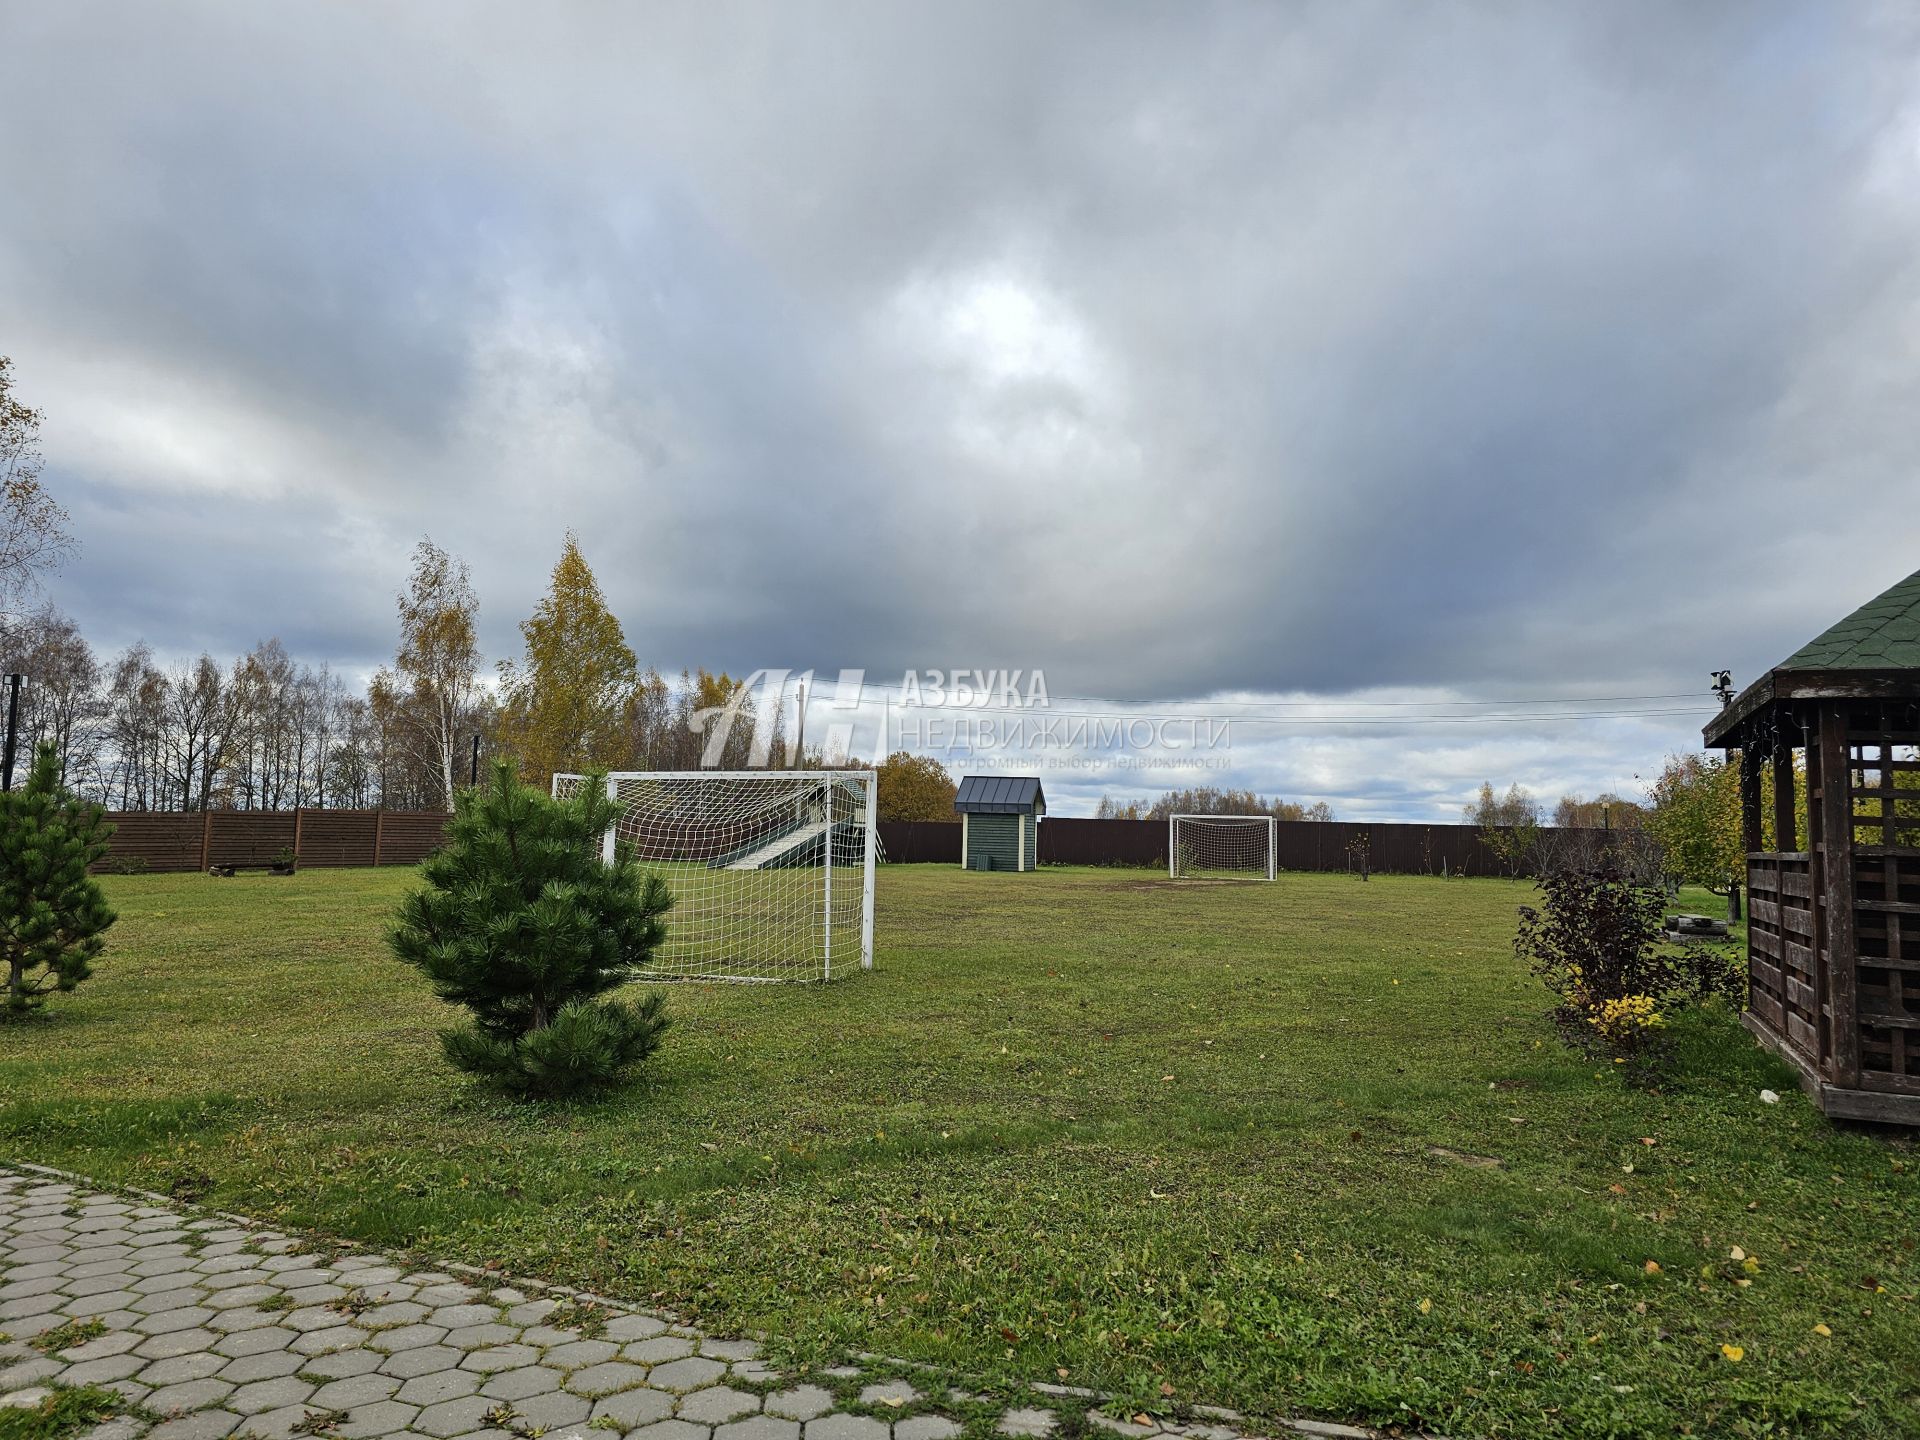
{"type": "Point", "coordinates": [1836, 885]}
{"type": "Point", "coordinates": [1750, 837]}
{"type": "Point", "coordinates": [1786, 837]}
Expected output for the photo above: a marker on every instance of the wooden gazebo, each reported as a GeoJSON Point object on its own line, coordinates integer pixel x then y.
{"type": "Point", "coordinates": [1833, 936]}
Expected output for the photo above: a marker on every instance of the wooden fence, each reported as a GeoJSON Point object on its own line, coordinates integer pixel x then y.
{"type": "Point", "coordinates": [1395, 849]}
{"type": "Point", "coordinates": [158, 841]}
{"type": "Point", "coordinates": [161, 840]}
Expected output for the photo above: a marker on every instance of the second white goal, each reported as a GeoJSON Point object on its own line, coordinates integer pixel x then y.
{"type": "Point", "coordinates": [1217, 847]}
{"type": "Point", "coordinates": [771, 870]}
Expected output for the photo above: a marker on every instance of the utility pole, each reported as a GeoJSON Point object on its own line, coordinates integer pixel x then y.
{"type": "Point", "coordinates": [13, 728]}
{"type": "Point", "coordinates": [800, 738]}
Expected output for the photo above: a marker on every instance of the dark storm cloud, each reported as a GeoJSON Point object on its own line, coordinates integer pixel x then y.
{"type": "Point", "coordinates": [1173, 349]}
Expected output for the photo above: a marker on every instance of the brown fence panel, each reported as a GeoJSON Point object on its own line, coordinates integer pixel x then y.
{"type": "Point", "coordinates": [337, 837]}
{"type": "Point", "coordinates": [249, 837]}
{"type": "Point", "coordinates": [154, 840]}
{"type": "Point", "coordinates": [171, 841]}
{"type": "Point", "coordinates": [163, 841]}
{"type": "Point", "coordinates": [408, 836]}
{"type": "Point", "coordinates": [920, 842]}
{"type": "Point", "coordinates": [1103, 842]}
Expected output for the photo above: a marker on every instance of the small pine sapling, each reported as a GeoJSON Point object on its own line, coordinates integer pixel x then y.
{"type": "Point", "coordinates": [521, 922]}
{"type": "Point", "coordinates": [53, 916]}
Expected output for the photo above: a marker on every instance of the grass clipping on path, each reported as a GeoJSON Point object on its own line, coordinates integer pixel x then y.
{"type": "Point", "coordinates": [1301, 1148]}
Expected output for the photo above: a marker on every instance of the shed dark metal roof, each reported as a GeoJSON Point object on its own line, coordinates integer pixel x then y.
{"type": "Point", "coordinates": [998, 795]}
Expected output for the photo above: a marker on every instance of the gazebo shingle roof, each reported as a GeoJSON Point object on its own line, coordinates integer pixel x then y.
{"type": "Point", "coordinates": [1883, 634]}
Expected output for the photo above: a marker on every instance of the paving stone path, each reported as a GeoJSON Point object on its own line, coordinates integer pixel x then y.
{"type": "Point", "coordinates": [215, 1328]}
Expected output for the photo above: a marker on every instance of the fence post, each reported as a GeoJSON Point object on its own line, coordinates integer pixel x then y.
{"type": "Point", "coordinates": [206, 839]}
{"type": "Point", "coordinates": [379, 816]}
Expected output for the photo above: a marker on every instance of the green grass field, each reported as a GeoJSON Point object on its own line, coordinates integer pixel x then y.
{"type": "Point", "coordinates": [1302, 1148]}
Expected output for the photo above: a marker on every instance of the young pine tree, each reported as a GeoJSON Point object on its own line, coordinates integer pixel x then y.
{"type": "Point", "coordinates": [52, 913]}
{"type": "Point", "coordinates": [520, 922]}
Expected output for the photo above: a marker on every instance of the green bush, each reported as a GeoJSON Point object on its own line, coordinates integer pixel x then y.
{"type": "Point", "coordinates": [52, 913]}
{"type": "Point", "coordinates": [521, 922]}
{"type": "Point", "coordinates": [1599, 944]}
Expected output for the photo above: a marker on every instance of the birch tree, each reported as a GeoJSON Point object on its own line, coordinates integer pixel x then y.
{"type": "Point", "coordinates": [438, 662]}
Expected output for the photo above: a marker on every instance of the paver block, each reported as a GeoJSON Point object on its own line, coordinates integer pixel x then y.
{"type": "Point", "coordinates": [499, 1357]}
{"type": "Point", "coordinates": [282, 1424]}
{"type": "Point", "coordinates": [239, 1295]}
{"type": "Point", "coordinates": [632, 1327]}
{"type": "Point", "coordinates": [759, 1427]}
{"type": "Point", "coordinates": [406, 1337]}
{"type": "Point", "coordinates": [424, 1361]}
{"type": "Point", "coordinates": [177, 1368]}
{"type": "Point", "coordinates": [730, 1349]}
{"type": "Point", "coordinates": [389, 1417]}
{"type": "Point", "coordinates": [265, 1395]}
{"type": "Point", "coordinates": [846, 1427]}
{"type": "Point", "coordinates": [191, 1395]}
{"type": "Point", "coordinates": [802, 1402]}
{"type": "Point", "coordinates": [634, 1407]}
{"type": "Point", "coordinates": [403, 1312]}
{"type": "Point", "coordinates": [454, 1417]}
{"type": "Point", "coordinates": [341, 1364]}
{"type": "Point", "coordinates": [150, 1300]}
{"type": "Point", "coordinates": [437, 1385]}
{"type": "Point", "coordinates": [718, 1404]}
{"type": "Point", "coordinates": [176, 1342]}
{"type": "Point", "coordinates": [582, 1352]}
{"type": "Point", "coordinates": [201, 1425]}
{"type": "Point", "coordinates": [99, 1372]}
{"type": "Point", "coordinates": [520, 1384]}
{"type": "Point", "coordinates": [556, 1407]}
{"type": "Point", "coordinates": [1122, 1427]}
{"type": "Point", "coordinates": [28, 1372]}
{"type": "Point", "coordinates": [267, 1365]}
{"type": "Point", "coordinates": [246, 1317]}
{"type": "Point", "coordinates": [322, 1342]}
{"type": "Point", "coordinates": [659, 1349]}
{"type": "Point", "coordinates": [688, 1374]}
{"type": "Point", "coordinates": [926, 1427]}
{"type": "Point", "coordinates": [256, 1342]}
{"type": "Point", "coordinates": [456, 1316]}
{"type": "Point", "coordinates": [354, 1391]}
{"type": "Point", "coordinates": [165, 1322]}
{"type": "Point", "coordinates": [891, 1392]}
{"type": "Point", "coordinates": [606, 1377]}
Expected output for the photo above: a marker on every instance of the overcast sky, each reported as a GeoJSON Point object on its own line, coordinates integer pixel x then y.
{"type": "Point", "coordinates": [1345, 351]}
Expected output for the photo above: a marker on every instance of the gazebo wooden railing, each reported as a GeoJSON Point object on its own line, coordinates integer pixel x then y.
{"type": "Point", "coordinates": [1833, 940]}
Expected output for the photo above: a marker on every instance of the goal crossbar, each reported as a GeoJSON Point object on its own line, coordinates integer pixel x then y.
{"type": "Point", "coordinates": [771, 870]}
{"type": "Point", "coordinates": [1245, 845]}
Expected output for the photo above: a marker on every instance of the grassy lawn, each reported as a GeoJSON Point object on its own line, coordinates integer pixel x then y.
{"type": "Point", "coordinates": [1299, 1148]}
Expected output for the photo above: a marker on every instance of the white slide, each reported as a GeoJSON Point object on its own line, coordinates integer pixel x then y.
{"type": "Point", "coordinates": [779, 846]}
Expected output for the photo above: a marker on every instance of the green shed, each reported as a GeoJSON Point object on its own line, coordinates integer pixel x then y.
{"type": "Point", "coordinates": [1000, 821]}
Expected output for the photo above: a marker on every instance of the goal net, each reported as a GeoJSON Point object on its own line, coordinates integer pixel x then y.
{"type": "Point", "coordinates": [1221, 847]}
{"type": "Point", "coordinates": [771, 870]}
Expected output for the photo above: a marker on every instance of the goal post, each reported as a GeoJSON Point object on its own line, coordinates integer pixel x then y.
{"type": "Point", "coordinates": [1222, 846]}
{"type": "Point", "coordinates": [771, 871]}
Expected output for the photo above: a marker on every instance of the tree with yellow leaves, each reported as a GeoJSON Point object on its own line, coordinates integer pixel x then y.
{"type": "Point", "coordinates": [566, 701]}
{"type": "Point", "coordinates": [914, 787]}
{"type": "Point", "coordinates": [1695, 816]}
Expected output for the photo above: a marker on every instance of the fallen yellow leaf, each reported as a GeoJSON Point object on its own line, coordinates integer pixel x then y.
{"type": "Point", "coordinates": [1653, 1267]}
{"type": "Point", "coordinates": [1822, 1330]}
{"type": "Point", "coordinates": [1735, 1353]}
{"type": "Point", "coordinates": [1426, 1307]}
{"type": "Point", "coordinates": [1736, 1253]}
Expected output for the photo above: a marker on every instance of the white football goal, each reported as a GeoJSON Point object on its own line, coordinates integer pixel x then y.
{"type": "Point", "coordinates": [1221, 847]}
{"type": "Point", "coordinates": [771, 870]}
